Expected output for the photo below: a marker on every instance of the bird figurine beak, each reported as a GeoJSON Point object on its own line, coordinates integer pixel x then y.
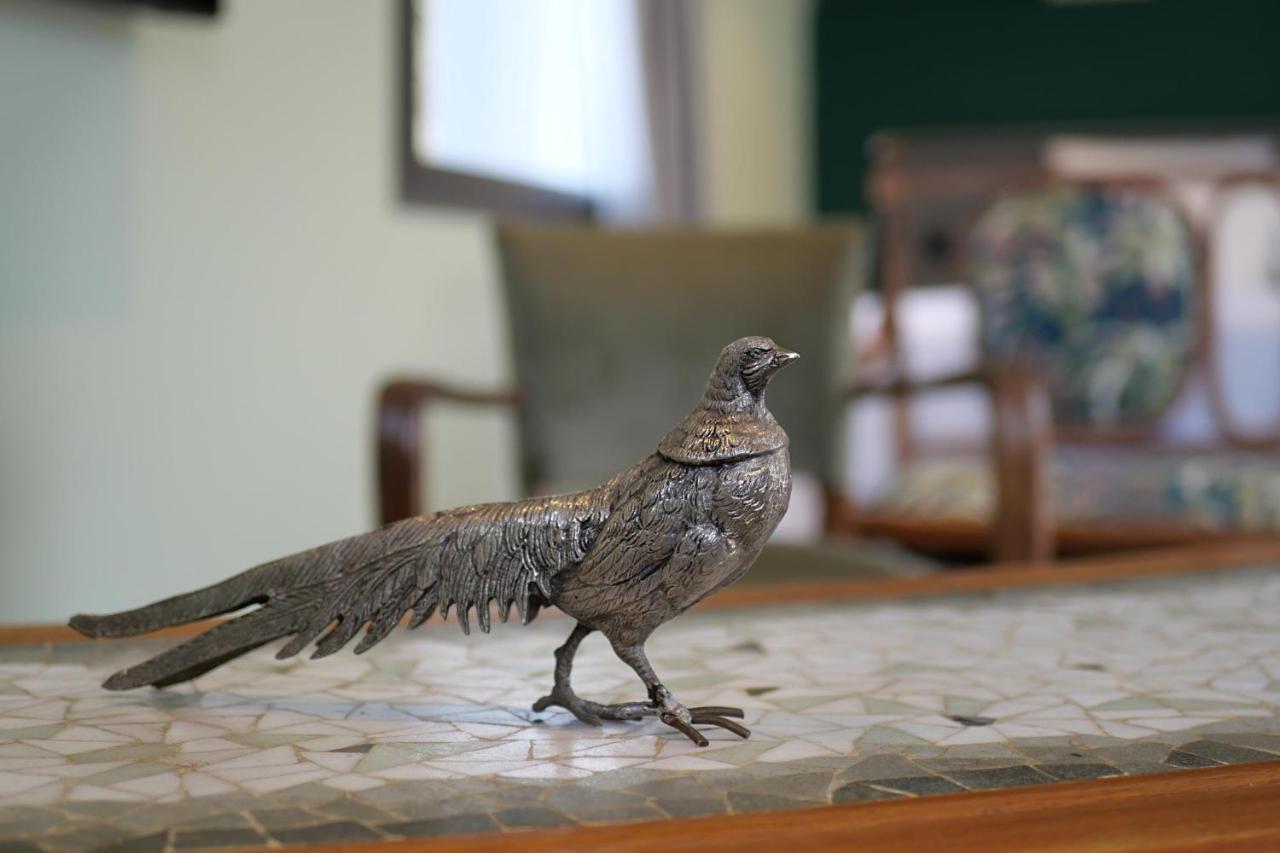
{"type": "Point", "coordinates": [783, 357]}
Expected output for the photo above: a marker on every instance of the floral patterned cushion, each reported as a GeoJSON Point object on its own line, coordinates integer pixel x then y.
{"type": "Point", "coordinates": [1211, 491]}
{"type": "Point", "coordinates": [1095, 287]}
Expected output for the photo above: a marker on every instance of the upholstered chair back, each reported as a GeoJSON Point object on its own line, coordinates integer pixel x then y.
{"type": "Point", "coordinates": [615, 333]}
{"type": "Point", "coordinates": [1095, 286]}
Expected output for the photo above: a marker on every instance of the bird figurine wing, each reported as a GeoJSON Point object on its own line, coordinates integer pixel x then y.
{"type": "Point", "coordinates": [463, 558]}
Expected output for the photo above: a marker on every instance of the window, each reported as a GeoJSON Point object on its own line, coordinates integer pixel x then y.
{"type": "Point", "coordinates": [533, 107]}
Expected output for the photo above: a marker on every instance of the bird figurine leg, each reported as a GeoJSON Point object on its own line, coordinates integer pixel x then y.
{"type": "Point", "coordinates": [661, 703]}
{"type": "Point", "coordinates": [562, 694]}
{"type": "Point", "coordinates": [671, 712]}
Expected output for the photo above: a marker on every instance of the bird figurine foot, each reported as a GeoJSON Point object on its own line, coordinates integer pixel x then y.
{"type": "Point", "coordinates": [592, 713]}
{"type": "Point", "coordinates": [684, 720]}
{"type": "Point", "coordinates": [663, 706]}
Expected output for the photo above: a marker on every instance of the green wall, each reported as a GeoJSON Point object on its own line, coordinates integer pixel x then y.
{"type": "Point", "coordinates": [917, 63]}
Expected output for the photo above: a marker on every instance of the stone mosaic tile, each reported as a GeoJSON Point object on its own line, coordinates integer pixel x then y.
{"type": "Point", "coordinates": [430, 733]}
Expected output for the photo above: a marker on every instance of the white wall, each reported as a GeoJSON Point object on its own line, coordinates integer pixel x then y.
{"type": "Point", "coordinates": [204, 273]}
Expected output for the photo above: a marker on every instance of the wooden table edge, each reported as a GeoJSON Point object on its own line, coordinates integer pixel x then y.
{"type": "Point", "coordinates": [1207, 557]}
{"type": "Point", "coordinates": [1161, 562]}
{"type": "Point", "coordinates": [1221, 808]}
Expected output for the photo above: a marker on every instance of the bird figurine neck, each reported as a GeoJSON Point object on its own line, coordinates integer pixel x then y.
{"type": "Point", "coordinates": [732, 422]}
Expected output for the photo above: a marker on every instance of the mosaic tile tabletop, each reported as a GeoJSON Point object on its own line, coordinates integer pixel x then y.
{"type": "Point", "coordinates": [430, 732]}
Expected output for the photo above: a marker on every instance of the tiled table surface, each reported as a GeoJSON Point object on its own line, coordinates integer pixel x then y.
{"type": "Point", "coordinates": [430, 732]}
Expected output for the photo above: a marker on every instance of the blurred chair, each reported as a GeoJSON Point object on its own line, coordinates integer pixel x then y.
{"type": "Point", "coordinates": [614, 334]}
{"type": "Point", "coordinates": [1098, 289]}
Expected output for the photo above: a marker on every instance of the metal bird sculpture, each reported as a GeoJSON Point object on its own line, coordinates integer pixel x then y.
{"type": "Point", "coordinates": [622, 559]}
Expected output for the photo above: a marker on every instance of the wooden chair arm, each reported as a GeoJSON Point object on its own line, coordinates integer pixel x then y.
{"type": "Point", "coordinates": [893, 385]}
{"type": "Point", "coordinates": [1021, 448]}
{"type": "Point", "coordinates": [401, 402]}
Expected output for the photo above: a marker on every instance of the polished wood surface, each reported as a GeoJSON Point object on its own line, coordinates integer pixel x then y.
{"type": "Point", "coordinates": [35, 635]}
{"type": "Point", "coordinates": [1133, 566]}
{"type": "Point", "coordinates": [1226, 808]}
{"type": "Point", "coordinates": [971, 538]}
{"type": "Point", "coordinates": [1205, 557]}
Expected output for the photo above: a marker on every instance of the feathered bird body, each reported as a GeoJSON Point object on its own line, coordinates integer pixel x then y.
{"type": "Point", "coordinates": [622, 558]}
{"type": "Point", "coordinates": [683, 532]}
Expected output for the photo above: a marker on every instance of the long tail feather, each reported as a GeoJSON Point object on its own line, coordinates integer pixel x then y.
{"type": "Point", "coordinates": [214, 647]}
{"type": "Point", "coordinates": [236, 593]}
{"type": "Point", "coordinates": [301, 595]}
{"type": "Point", "coordinates": [466, 559]}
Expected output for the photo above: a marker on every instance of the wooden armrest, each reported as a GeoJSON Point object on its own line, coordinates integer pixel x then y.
{"type": "Point", "coordinates": [893, 385]}
{"type": "Point", "coordinates": [400, 469]}
{"type": "Point", "coordinates": [1021, 447]}
{"type": "Point", "coordinates": [1021, 450]}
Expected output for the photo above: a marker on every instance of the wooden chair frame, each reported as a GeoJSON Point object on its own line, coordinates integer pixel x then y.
{"type": "Point", "coordinates": [894, 188]}
{"type": "Point", "coordinates": [1019, 443]}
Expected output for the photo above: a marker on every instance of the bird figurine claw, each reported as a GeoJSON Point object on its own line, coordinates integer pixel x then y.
{"type": "Point", "coordinates": [622, 559]}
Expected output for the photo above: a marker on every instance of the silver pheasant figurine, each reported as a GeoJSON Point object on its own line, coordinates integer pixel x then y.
{"type": "Point", "coordinates": [622, 559]}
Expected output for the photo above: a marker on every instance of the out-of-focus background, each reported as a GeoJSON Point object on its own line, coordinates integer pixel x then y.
{"type": "Point", "coordinates": [226, 226]}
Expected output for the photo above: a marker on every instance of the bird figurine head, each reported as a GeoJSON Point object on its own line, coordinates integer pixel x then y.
{"type": "Point", "coordinates": [745, 367]}
{"type": "Point", "coordinates": [731, 421]}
